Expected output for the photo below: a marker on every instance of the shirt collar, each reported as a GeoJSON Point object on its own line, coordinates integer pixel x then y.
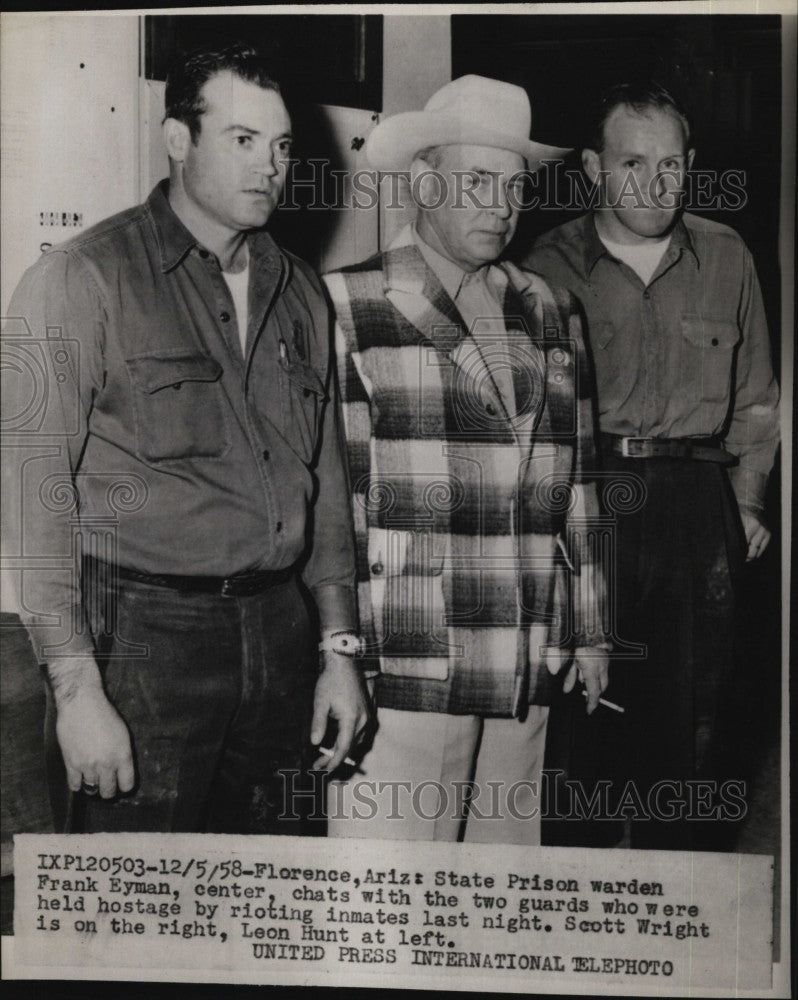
{"type": "Point", "coordinates": [449, 274]}
{"type": "Point", "coordinates": [175, 240]}
{"type": "Point", "coordinates": [594, 248]}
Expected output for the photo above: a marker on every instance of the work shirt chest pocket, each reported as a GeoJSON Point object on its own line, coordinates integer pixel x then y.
{"type": "Point", "coordinates": [303, 399]}
{"type": "Point", "coordinates": [178, 406]}
{"type": "Point", "coordinates": [708, 355]}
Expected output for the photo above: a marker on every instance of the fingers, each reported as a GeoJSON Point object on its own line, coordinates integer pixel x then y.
{"type": "Point", "coordinates": [556, 659]}
{"type": "Point", "coordinates": [107, 782]}
{"type": "Point", "coordinates": [346, 734]}
{"type": "Point", "coordinates": [319, 722]}
{"type": "Point", "coordinates": [758, 542]}
{"type": "Point", "coordinates": [570, 680]}
{"type": "Point", "coordinates": [74, 777]}
{"type": "Point", "coordinates": [126, 776]}
{"type": "Point", "coordinates": [593, 688]}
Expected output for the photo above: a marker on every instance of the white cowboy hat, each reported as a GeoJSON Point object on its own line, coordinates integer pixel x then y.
{"type": "Point", "coordinates": [473, 111]}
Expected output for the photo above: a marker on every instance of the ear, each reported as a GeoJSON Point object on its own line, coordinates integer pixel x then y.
{"type": "Point", "coordinates": [591, 162]}
{"type": "Point", "coordinates": [690, 157]}
{"type": "Point", "coordinates": [177, 139]}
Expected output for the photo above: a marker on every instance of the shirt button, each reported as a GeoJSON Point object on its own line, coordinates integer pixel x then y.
{"type": "Point", "coordinates": [377, 568]}
{"type": "Point", "coordinates": [278, 527]}
{"type": "Point", "coordinates": [224, 316]}
{"type": "Point", "coordinates": [266, 454]}
{"type": "Point", "coordinates": [204, 254]}
{"type": "Point", "coordinates": [714, 341]}
{"type": "Point", "coordinates": [646, 295]}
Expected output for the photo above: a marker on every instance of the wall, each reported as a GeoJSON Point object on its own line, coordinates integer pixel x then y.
{"type": "Point", "coordinates": [417, 61]}
{"type": "Point", "coordinates": [70, 129]}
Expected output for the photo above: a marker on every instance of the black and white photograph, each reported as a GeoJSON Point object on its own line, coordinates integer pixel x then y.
{"type": "Point", "coordinates": [396, 498]}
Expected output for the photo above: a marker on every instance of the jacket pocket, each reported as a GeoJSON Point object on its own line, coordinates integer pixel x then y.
{"type": "Point", "coordinates": [408, 604]}
{"type": "Point", "coordinates": [303, 398]}
{"type": "Point", "coordinates": [708, 355]}
{"type": "Point", "coordinates": [178, 406]}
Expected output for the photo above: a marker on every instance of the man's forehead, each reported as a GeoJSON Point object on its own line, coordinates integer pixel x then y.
{"type": "Point", "coordinates": [226, 93]}
{"type": "Point", "coordinates": [627, 123]}
{"type": "Point", "coordinates": [492, 158]}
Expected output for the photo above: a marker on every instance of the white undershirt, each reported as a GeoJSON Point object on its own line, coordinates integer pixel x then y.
{"type": "Point", "coordinates": [643, 258]}
{"type": "Point", "coordinates": [239, 288]}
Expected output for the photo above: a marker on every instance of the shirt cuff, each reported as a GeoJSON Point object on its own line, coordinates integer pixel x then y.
{"type": "Point", "coordinates": [337, 608]}
{"type": "Point", "coordinates": [749, 488]}
{"type": "Point", "coordinates": [55, 641]}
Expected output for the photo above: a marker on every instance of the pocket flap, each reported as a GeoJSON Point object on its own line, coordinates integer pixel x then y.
{"type": "Point", "coordinates": [711, 334]}
{"type": "Point", "coordinates": [601, 333]}
{"type": "Point", "coordinates": [152, 373]}
{"type": "Point", "coordinates": [305, 377]}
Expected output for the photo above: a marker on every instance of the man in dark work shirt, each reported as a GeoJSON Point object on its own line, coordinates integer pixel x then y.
{"type": "Point", "coordinates": [687, 403]}
{"type": "Point", "coordinates": [176, 511]}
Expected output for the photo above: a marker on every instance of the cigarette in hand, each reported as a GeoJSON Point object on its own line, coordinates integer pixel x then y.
{"type": "Point", "coordinates": [607, 704]}
{"type": "Point", "coordinates": [347, 760]}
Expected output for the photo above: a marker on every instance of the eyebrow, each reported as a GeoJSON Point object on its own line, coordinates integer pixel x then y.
{"type": "Point", "coordinates": [629, 154]}
{"type": "Point", "coordinates": [254, 131]}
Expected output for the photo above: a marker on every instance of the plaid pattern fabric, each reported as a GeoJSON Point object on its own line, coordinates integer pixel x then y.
{"type": "Point", "coordinates": [461, 510]}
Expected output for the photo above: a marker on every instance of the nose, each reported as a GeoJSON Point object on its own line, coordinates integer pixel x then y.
{"type": "Point", "coordinates": [667, 187]}
{"type": "Point", "coordinates": [502, 206]}
{"type": "Point", "coordinates": [266, 163]}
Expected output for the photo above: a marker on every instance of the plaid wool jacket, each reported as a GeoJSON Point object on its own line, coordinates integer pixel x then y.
{"type": "Point", "coordinates": [472, 524]}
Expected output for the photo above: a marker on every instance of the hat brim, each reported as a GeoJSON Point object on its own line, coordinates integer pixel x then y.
{"type": "Point", "coordinates": [393, 144]}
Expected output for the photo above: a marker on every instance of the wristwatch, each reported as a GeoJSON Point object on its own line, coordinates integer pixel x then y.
{"type": "Point", "coordinates": [345, 643]}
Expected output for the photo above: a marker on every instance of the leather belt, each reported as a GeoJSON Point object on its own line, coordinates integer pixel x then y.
{"type": "Point", "coordinates": [240, 585]}
{"type": "Point", "coordinates": [698, 449]}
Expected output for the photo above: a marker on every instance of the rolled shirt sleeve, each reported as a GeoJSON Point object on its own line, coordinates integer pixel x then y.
{"type": "Point", "coordinates": [52, 350]}
{"type": "Point", "coordinates": [754, 428]}
{"type": "Point", "coordinates": [330, 570]}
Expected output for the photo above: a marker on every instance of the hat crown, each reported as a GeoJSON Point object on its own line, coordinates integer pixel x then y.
{"type": "Point", "coordinates": [480, 100]}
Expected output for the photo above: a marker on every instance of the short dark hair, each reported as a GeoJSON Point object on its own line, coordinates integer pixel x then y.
{"type": "Point", "coordinates": [189, 73]}
{"type": "Point", "coordinates": [639, 96]}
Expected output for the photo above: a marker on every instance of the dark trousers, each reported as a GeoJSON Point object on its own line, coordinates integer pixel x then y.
{"type": "Point", "coordinates": [217, 694]}
{"type": "Point", "coordinates": [678, 559]}
{"type": "Point", "coordinates": [24, 804]}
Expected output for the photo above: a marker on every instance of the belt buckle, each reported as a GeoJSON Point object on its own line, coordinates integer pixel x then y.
{"type": "Point", "coordinates": [227, 588]}
{"type": "Point", "coordinates": [625, 442]}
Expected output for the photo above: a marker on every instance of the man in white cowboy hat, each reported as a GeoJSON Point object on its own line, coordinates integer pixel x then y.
{"type": "Point", "coordinates": [470, 442]}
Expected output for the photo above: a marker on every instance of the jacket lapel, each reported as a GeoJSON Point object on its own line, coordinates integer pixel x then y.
{"type": "Point", "coordinates": [414, 289]}
{"type": "Point", "coordinates": [524, 322]}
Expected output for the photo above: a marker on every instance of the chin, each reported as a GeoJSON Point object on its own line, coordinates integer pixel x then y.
{"type": "Point", "coordinates": [652, 225]}
{"type": "Point", "coordinates": [488, 248]}
{"type": "Point", "coordinates": [256, 220]}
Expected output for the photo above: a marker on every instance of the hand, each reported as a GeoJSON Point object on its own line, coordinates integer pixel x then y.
{"type": "Point", "coordinates": [592, 666]}
{"type": "Point", "coordinates": [93, 738]}
{"type": "Point", "coordinates": [340, 695]}
{"type": "Point", "coordinates": [756, 534]}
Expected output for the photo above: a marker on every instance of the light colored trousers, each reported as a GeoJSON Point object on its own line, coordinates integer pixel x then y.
{"type": "Point", "coordinates": [414, 784]}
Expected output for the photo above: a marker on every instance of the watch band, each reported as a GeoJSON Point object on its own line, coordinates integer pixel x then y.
{"type": "Point", "coordinates": [345, 643]}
